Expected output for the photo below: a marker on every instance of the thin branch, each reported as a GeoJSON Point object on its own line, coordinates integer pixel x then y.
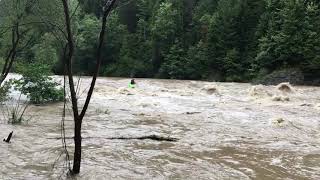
{"type": "Point", "coordinates": [75, 10]}
{"type": "Point", "coordinates": [69, 59]}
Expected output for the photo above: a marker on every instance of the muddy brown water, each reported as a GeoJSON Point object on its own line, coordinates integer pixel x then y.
{"type": "Point", "coordinates": [229, 134]}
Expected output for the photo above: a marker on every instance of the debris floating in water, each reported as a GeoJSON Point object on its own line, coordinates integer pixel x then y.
{"type": "Point", "coordinates": [190, 113]}
{"type": "Point", "coordinates": [306, 104]}
{"type": "Point", "coordinates": [148, 137]}
{"type": "Point", "coordinates": [8, 138]}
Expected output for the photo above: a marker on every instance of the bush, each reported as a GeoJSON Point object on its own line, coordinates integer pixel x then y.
{"type": "Point", "coordinates": [4, 92]}
{"type": "Point", "coordinates": [37, 85]}
{"type": "Point", "coordinates": [16, 111]}
{"type": "Point", "coordinates": [12, 110]}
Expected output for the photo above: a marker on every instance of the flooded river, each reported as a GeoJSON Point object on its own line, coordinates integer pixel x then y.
{"type": "Point", "coordinates": [225, 131]}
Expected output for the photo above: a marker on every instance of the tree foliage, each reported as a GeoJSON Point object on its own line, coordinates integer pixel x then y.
{"type": "Point", "coordinates": [37, 85]}
{"type": "Point", "coordinates": [227, 40]}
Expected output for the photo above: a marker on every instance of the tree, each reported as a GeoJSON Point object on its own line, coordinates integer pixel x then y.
{"type": "Point", "coordinates": [231, 31]}
{"type": "Point", "coordinates": [116, 34]}
{"type": "Point", "coordinates": [44, 52]}
{"type": "Point", "coordinates": [134, 59]}
{"type": "Point", "coordinates": [86, 45]}
{"type": "Point", "coordinates": [174, 63]}
{"type": "Point", "coordinates": [11, 54]}
{"type": "Point", "coordinates": [291, 38]}
{"type": "Point", "coordinates": [13, 14]}
{"type": "Point", "coordinates": [224, 35]}
{"type": "Point", "coordinates": [78, 116]}
{"type": "Point", "coordinates": [165, 28]}
{"type": "Point", "coordinates": [197, 61]}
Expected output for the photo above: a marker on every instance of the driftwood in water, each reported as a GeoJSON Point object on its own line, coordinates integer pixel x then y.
{"type": "Point", "coordinates": [190, 113]}
{"type": "Point", "coordinates": [150, 137]}
{"type": "Point", "coordinates": [8, 138]}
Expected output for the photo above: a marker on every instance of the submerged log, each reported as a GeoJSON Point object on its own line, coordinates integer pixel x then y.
{"type": "Point", "coordinates": [8, 138]}
{"type": "Point", "coordinates": [149, 137]}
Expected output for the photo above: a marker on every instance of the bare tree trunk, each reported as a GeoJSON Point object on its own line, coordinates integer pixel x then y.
{"type": "Point", "coordinates": [68, 61]}
{"type": "Point", "coordinates": [77, 147]}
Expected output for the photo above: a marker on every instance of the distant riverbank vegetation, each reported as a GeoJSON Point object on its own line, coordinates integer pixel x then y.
{"type": "Point", "coordinates": [220, 40]}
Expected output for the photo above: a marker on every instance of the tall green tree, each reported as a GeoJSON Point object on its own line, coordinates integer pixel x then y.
{"type": "Point", "coordinates": [166, 28]}
{"type": "Point", "coordinates": [292, 36]}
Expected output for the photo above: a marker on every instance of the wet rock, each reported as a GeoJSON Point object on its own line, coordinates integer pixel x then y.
{"type": "Point", "coordinates": [107, 111]}
{"type": "Point", "coordinates": [186, 93]}
{"type": "Point", "coordinates": [259, 91]}
{"type": "Point", "coordinates": [280, 98]}
{"type": "Point", "coordinates": [280, 122]}
{"type": "Point", "coordinates": [210, 89]}
{"type": "Point", "coordinates": [294, 76]}
{"type": "Point", "coordinates": [125, 91]}
{"type": "Point", "coordinates": [101, 111]}
{"type": "Point", "coordinates": [276, 98]}
{"type": "Point", "coordinates": [139, 114]}
{"type": "Point", "coordinates": [285, 87]}
{"type": "Point", "coordinates": [148, 105]}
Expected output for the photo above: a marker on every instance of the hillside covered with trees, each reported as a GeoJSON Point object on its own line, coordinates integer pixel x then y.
{"type": "Point", "coordinates": [222, 40]}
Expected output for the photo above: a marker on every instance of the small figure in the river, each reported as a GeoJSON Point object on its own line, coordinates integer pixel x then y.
{"type": "Point", "coordinates": [9, 138]}
{"type": "Point", "coordinates": [132, 84]}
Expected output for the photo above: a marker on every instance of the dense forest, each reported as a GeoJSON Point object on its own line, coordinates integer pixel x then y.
{"type": "Point", "coordinates": [221, 40]}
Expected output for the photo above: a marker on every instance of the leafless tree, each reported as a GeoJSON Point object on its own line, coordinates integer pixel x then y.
{"type": "Point", "coordinates": [79, 115]}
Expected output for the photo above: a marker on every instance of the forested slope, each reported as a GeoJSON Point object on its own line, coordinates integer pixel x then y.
{"type": "Point", "coordinates": [223, 40]}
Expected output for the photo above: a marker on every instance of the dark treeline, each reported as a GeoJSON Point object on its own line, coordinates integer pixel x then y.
{"type": "Point", "coordinates": [223, 40]}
